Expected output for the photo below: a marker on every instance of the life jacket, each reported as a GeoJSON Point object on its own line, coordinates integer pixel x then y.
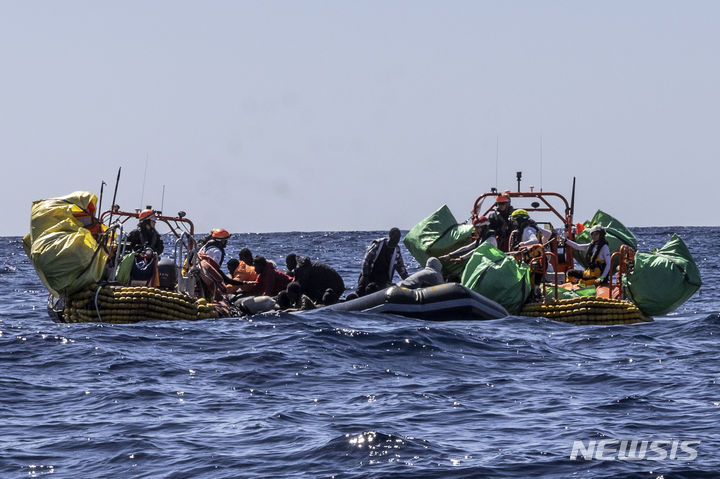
{"type": "Point", "coordinates": [596, 266]}
{"type": "Point", "coordinates": [534, 256]}
{"type": "Point", "coordinates": [212, 243]}
{"type": "Point", "coordinates": [244, 272]}
{"type": "Point", "coordinates": [592, 257]}
{"type": "Point", "coordinates": [516, 235]}
{"type": "Point", "coordinates": [211, 277]}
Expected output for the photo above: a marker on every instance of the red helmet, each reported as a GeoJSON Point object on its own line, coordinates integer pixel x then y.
{"type": "Point", "coordinates": [481, 221]}
{"type": "Point", "coordinates": [147, 215]}
{"type": "Point", "coordinates": [502, 199]}
{"type": "Point", "coordinates": [220, 233]}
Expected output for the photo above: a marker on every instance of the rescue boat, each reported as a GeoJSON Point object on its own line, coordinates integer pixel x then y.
{"type": "Point", "coordinates": [78, 256]}
{"type": "Point", "coordinates": [533, 280]}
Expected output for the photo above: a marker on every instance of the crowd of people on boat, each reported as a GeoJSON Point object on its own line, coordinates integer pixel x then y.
{"type": "Point", "coordinates": [255, 284]}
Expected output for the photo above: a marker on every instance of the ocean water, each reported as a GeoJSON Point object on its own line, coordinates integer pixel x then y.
{"type": "Point", "coordinates": [356, 395]}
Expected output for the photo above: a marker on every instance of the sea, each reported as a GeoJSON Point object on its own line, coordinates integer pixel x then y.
{"type": "Point", "coordinates": [356, 395]}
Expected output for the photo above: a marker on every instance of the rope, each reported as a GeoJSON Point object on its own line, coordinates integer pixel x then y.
{"type": "Point", "coordinates": [97, 307]}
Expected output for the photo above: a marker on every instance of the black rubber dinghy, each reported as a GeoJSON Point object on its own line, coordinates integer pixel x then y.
{"type": "Point", "coordinates": [446, 302]}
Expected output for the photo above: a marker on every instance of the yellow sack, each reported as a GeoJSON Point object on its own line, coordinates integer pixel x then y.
{"type": "Point", "coordinates": [63, 251]}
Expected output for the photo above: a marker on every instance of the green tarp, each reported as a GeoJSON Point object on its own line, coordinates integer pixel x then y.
{"type": "Point", "coordinates": [664, 279]}
{"type": "Point", "coordinates": [498, 276]}
{"type": "Point", "coordinates": [65, 254]}
{"type": "Point", "coordinates": [586, 291]}
{"type": "Point", "coordinates": [436, 235]}
{"type": "Point", "coordinates": [616, 235]}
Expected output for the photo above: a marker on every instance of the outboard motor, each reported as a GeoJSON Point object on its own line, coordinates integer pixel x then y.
{"type": "Point", "coordinates": [167, 274]}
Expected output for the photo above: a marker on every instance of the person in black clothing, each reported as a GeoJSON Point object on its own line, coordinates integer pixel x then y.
{"type": "Point", "coordinates": [298, 300]}
{"type": "Point", "coordinates": [145, 245]}
{"type": "Point", "coordinates": [381, 260]}
{"type": "Point", "coordinates": [145, 236]}
{"type": "Point", "coordinates": [291, 263]}
{"type": "Point", "coordinates": [317, 278]}
{"type": "Point", "coordinates": [500, 221]}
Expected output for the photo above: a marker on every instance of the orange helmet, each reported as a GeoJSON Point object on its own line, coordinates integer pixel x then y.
{"type": "Point", "coordinates": [147, 215]}
{"type": "Point", "coordinates": [502, 199]}
{"type": "Point", "coordinates": [220, 233]}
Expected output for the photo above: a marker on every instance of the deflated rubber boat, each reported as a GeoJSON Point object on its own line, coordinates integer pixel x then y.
{"type": "Point", "coordinates": [449, 301]}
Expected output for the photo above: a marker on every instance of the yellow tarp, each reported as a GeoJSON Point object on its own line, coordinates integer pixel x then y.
{"type": "Point", "coordinates": [64, 253]}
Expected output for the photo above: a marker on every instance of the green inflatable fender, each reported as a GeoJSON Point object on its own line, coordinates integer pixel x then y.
{"type": "Point", "coordinates": [663, 279]}
{"type": "Point", "coordinates": [498, 276]}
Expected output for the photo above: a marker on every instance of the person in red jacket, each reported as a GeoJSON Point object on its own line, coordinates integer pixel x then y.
{"type": "Point", "coordinates": [270, 281]}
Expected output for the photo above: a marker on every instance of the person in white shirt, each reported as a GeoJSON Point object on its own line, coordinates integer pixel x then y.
{"type": "Point", "coordinates": [597, 258]}
{"type": "Point", "coordinates": [525, 231]}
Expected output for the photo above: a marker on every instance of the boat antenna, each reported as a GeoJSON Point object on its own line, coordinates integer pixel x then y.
{"type": "Point", "coordinates": [99, 208]}
{"type": "Point", "coordinates": [112, 207]}
{"type": "Point", "coordinates": [541, 160]}
{"type": "Point", "coordinates": [572, 200]}
{"type": "Point", "coordinates": [142, 194]}
{"type": "Point", "coordinates": [497, 156]}
{"type": "Point", "coordinates": [162, 203]}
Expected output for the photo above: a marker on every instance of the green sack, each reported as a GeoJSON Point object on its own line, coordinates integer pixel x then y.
{"type": "Point", "coordinates": [122, 274]}
{"type": "Point", "coordinates": [616, 235]}
{"type": "Point", "coordinates": [662, 280]}
{"type": "Point", "coordinates": [498, 276]}
{"type": "Point", "coordinates": [437, 235]}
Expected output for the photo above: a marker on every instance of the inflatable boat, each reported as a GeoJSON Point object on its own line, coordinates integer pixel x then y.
{"type": "Point", "coordinates": [449, 301]}
{"type": "Point", "coordinates": [641, 285]}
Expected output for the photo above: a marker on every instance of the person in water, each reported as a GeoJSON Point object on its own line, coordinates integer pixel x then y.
{"type": "Point", "coordinates": [145, 236]}
{"type": "Point", "coordinates": [315, 278]}
{"type": "Point", "coordinates": [430, 275]}
{"type": "Point", "coordinates": [500, 221]}
{"type": "Point", "coordinates": [382, 259]}
{"type": "Point", "coordinates": [482, 234]}
{"type": "Point", "coordinates": [597, 257]}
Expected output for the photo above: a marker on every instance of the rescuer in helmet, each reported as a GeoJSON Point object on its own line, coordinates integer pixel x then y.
{"type": "Point", "coordinates": [500, 221]}
{"type": "Point", "coordinates": [215, 244]}
{"type": "Point", "coordinates": [145, 236]}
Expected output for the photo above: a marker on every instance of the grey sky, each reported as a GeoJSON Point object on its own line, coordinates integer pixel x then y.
{"type": "Point", "coordinates": [336, 115]}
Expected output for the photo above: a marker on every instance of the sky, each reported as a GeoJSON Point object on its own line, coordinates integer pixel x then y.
{"type": "Point", "coordinates": [298, 115]}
